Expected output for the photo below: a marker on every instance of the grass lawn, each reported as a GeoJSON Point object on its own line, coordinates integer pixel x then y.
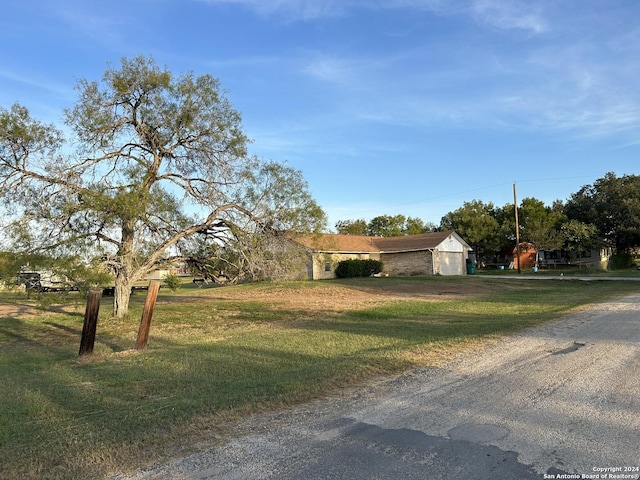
{"type": "Point", "coordinates": [574, 271]}
{"type": "Point", "coordinates": [215, 354]}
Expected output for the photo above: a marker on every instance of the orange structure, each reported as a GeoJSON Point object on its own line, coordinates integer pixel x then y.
{"type": "Point", "coordinates": [528, 256]}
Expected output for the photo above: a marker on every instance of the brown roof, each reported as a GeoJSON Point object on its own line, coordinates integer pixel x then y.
{"type": "Point", "coordinates": [331, 242]}
{"type": "Point", "coordinates": [406, 243]}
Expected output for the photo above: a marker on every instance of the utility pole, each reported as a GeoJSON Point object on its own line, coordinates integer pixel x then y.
{"type": "Point", "coordinates": [515, 208]}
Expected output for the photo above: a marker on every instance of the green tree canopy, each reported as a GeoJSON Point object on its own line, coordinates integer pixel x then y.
{"type": "Point", "coordinates": [579, 236]}
{"type": "Point", "coordinates": [541, 224]}
{"type": "Point", "coordinates": [475, 222]}
{"type": "Point", "coordinates": [157, 168]}
{"type": "Point", "coordinates": [351, 227]}
{"type": "Point", "coordinates": [385, 226]}
{"type": "Point", "coordinates": [415, 226]}
{"type": "Point", "coordinates": [612, 205]}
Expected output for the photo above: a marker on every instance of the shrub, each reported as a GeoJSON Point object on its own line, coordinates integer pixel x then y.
{"type": "Point", "coordinates": [172, 282]}
{"type": "Point", "coordinates": [358, 268]}
{"type": "Point", "coordinates": [371, 267]}
{"type": "Point", "coordinates": [622, 260]}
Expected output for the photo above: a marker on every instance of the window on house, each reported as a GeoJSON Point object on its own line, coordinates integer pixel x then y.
{"type": "Point", "coordinates": [327, 266]}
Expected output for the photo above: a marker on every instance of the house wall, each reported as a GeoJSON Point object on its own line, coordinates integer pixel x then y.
{"type": "Point", "coordinates": [408, 263]}
{"type": "Point", "coordinates": [324, 264]}
{"type": "Point", "coordinates": [451, 244]}
{"type": "Point", "coordinates": [403, 264]}
{"type": "Point", "coordinates": [595, 258]}
{"type": "Point", "coordinates": [448, 258]}
{"type": "Point", "coordinates": [159, 274]}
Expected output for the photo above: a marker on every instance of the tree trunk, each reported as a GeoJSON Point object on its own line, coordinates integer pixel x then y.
{"type": "Point", "coordinates": [125, 277]}
{"type": "Point", "coordinates": [121, 295]}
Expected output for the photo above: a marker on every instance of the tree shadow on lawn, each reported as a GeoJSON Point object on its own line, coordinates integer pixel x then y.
{"type": "Point", "coordinates": [120, 404]}
{"type": "Point", "coordinates": [420, 321]}
{"type": "Point", "coordinates": [75, 333]}
{"type": "Point", "coordinates": [418, 331]}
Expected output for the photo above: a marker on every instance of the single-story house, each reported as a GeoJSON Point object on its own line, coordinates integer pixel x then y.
{"type": "Point", "coordinates": [530, 256]}
{"type": "Point", "coordinates": [592, 258]}
{"type": "Point", "coordinates": [437, 253]}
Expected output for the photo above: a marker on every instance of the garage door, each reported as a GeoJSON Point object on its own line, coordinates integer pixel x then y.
{"type": "Point", "coordinates": [451, 263]}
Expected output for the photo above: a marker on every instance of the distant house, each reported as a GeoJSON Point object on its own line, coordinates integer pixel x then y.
{"type": "Point", "coordinates": [438, 253]}
{"type": "Point", "coordinates": [530, 257]}
{"type": "Point", "coordinates": [592, 258]}
{"type": "Point", "coordinates": [161, 273]}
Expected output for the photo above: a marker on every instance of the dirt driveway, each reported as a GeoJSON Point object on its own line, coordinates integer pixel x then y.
{"type": "Point", "coordinates": [557, 399]}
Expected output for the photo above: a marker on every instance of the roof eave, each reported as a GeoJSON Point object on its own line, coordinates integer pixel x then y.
{"type": "Point", "coordinates": [426, 249]}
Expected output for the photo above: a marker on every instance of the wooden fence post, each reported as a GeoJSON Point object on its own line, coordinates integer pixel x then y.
{"type": "Point", "coordinates": [147, 313]}
{"type": "Point", "coordinates": [90, 321]}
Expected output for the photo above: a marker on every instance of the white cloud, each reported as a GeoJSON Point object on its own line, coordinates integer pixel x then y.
{"type": "Point", "coordinates": [573, 83]}
{"type": "Point", "coordinates": [509, 15]}
{"type": "Point", "coordinates": [100, 26]}
{"type": "Point", "coordinates": [333, 69]}
{"type": "Point", "coordinates": [32, 81]}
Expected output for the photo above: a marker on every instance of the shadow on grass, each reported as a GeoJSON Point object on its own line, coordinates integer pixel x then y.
{"type": "Point", "coordinates": [68, 411]}
{"type": "Point", "coordinates": [412, 331]}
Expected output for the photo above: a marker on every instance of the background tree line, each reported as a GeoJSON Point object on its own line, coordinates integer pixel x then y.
{"type": "Point", "coordinates": [606, 212]}
{"type": "Point", "coordinates": [385, 226]}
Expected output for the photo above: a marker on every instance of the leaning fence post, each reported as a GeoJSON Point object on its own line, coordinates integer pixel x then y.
{"type": "Point", "coordinates": [147, 313]}
{"type": "Point", "coordinates": [90, 321]}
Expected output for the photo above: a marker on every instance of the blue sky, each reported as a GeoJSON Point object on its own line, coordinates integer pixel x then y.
{"type": "Point", "coordinates": [387, 106]}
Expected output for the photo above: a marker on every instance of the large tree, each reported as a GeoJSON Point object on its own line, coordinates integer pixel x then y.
{"type": "Point", "coordinates": [539, 224]}
{"type": "Point", "coordinates": [387, 226]}
{"type": "Point", "coordinates": [612, 205]}
{"type": "Point", "coordinates": [475, 222]}
{"type": "Point", "coordinates": [156, 169]}
{"type": "Point", "coordinates": [579, 237]}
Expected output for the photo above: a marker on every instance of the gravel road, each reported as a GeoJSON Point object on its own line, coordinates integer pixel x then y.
{"type": "Point", "coordinates": [557, 401]}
